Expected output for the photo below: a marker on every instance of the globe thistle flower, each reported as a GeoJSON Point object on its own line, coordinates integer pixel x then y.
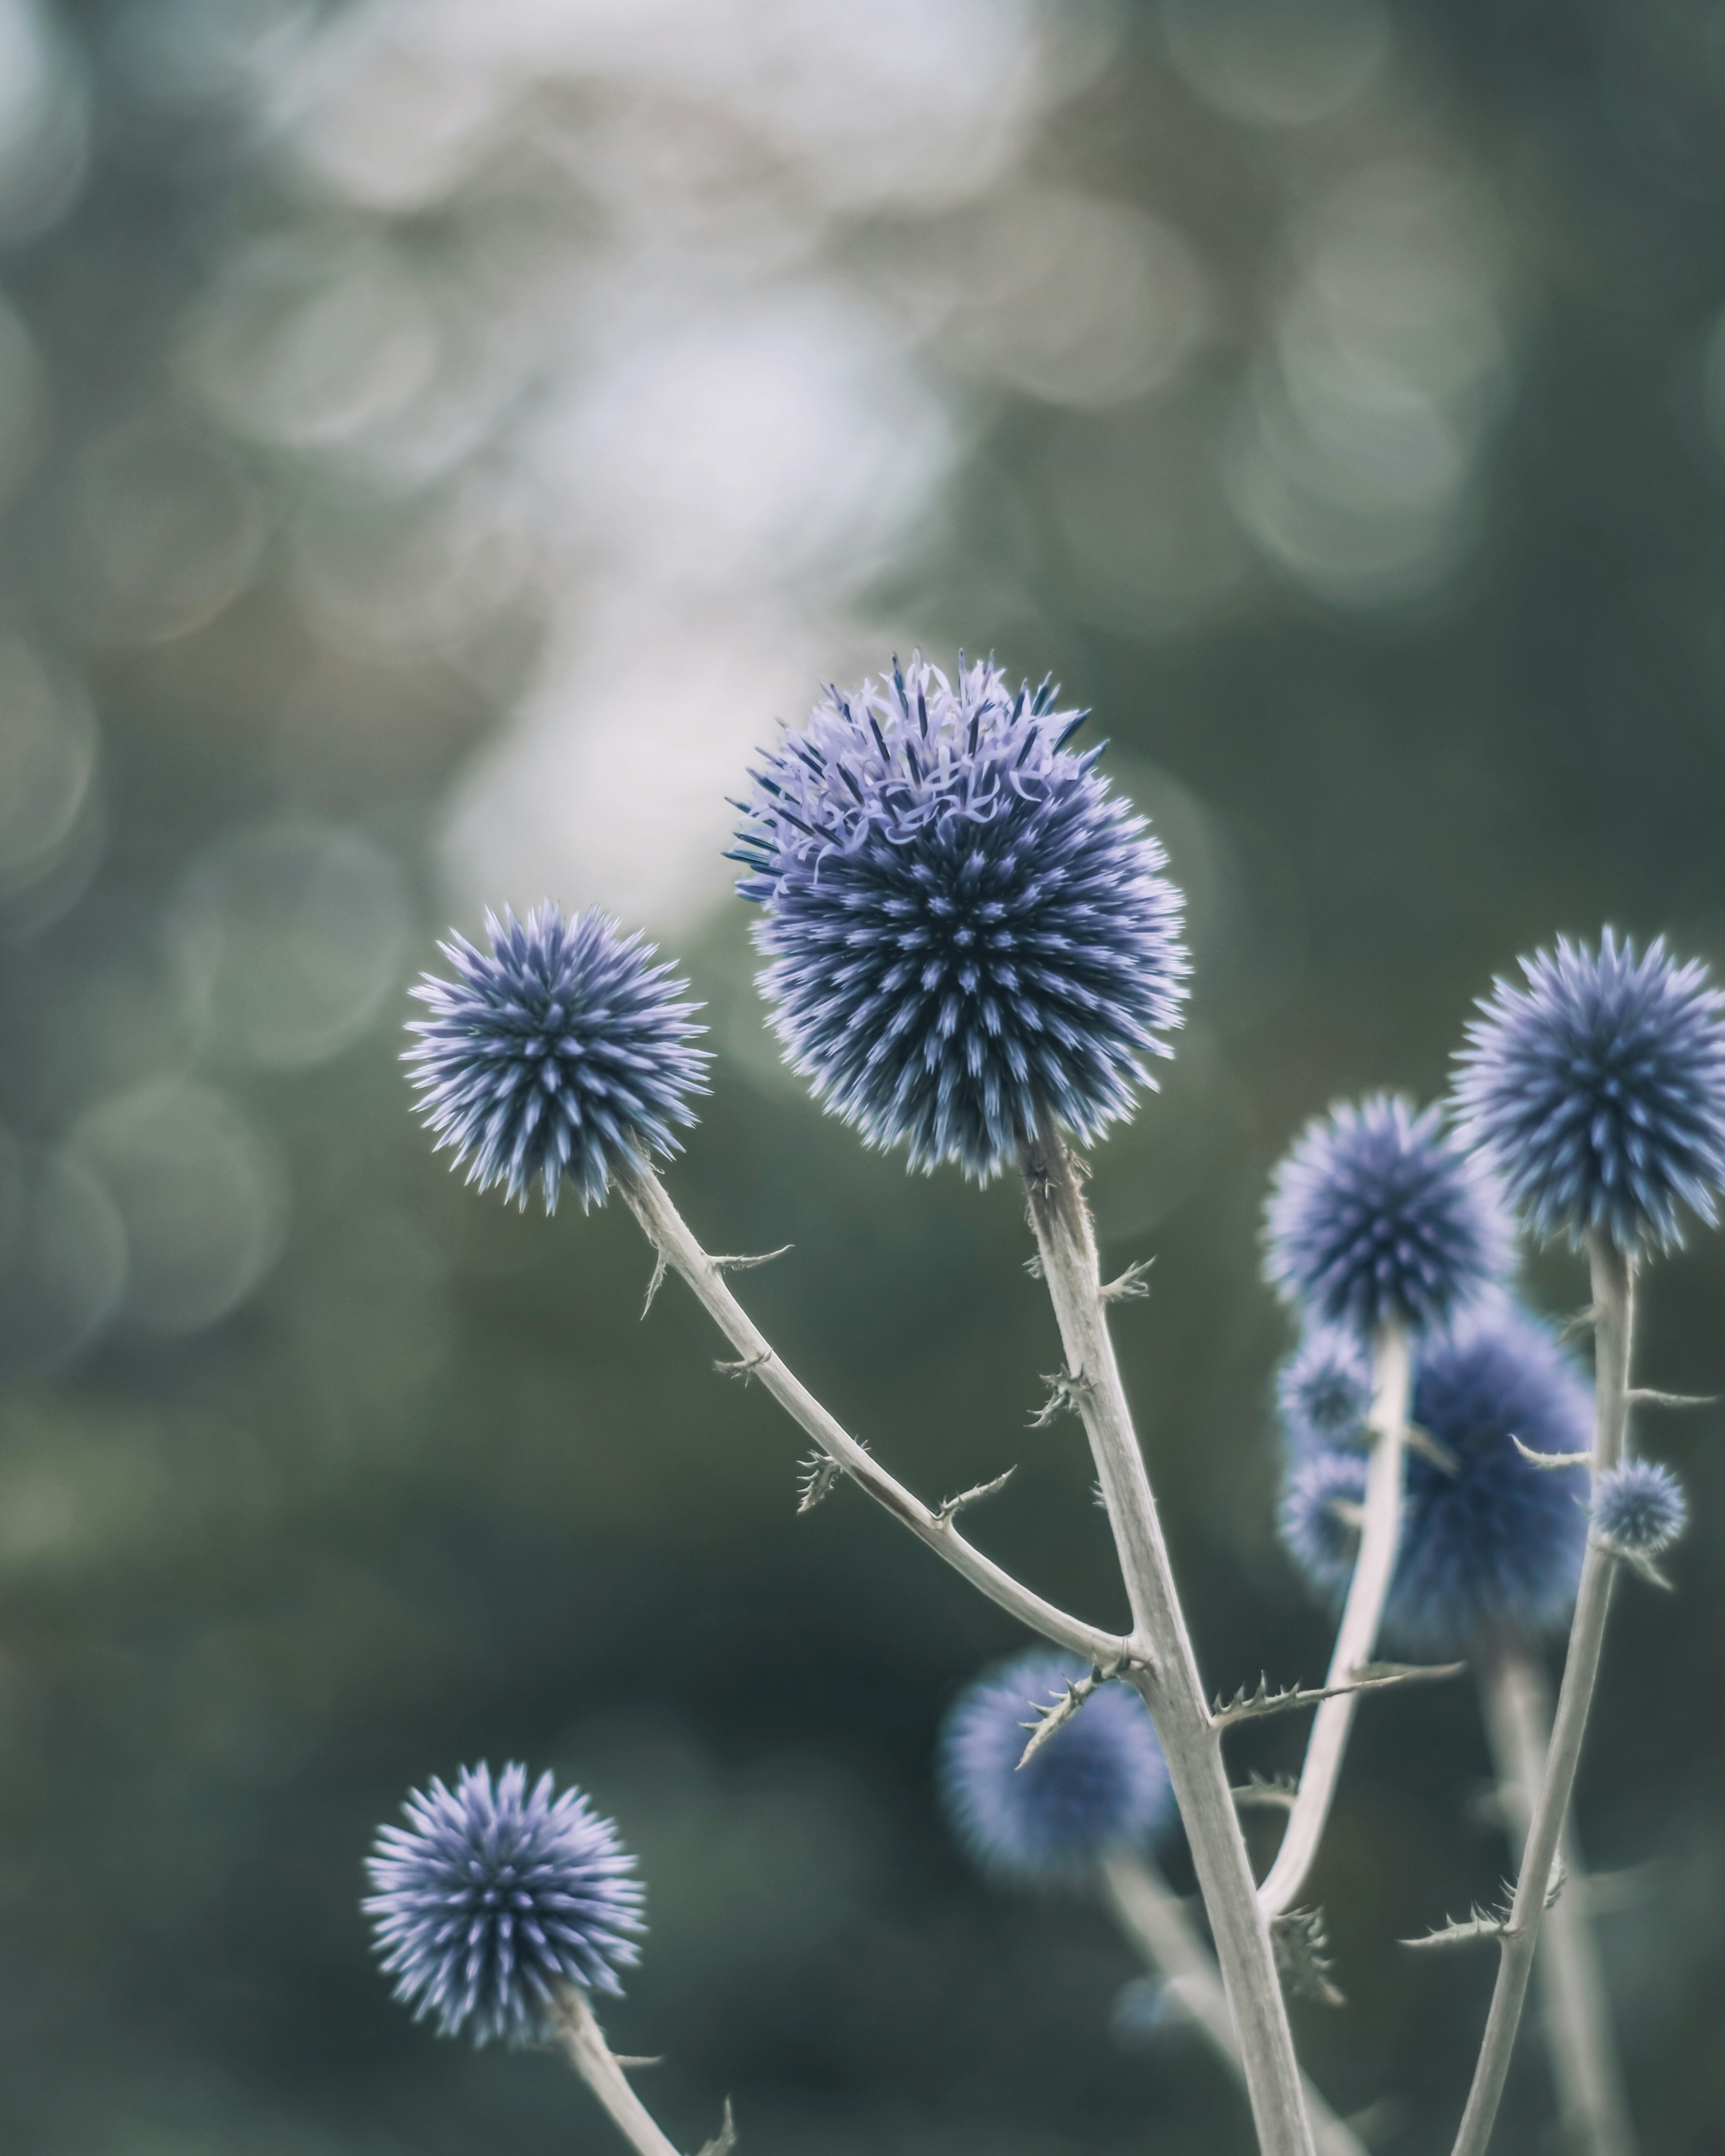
{"type": "Point", "coordinates": [1598, 1090]}
{"type": "Point", "coordinates": [1377, 1213]}
{"type": "Point", "coordinates": [1638, 1508]}
{"type": "Point", "coordinates": [965, 929]}
{"type": "Point", "coordinates": [1099, 1782]}
{"type": "Point", "coordinates": [492, 1897]}
{"type": "Point", "coordinates": [1321, 1505]}
{"type": "Point", "coordinates": [1497, 1541]}
{"type": "Point", "coordinates": [1324, 1390]}
{"type": "Point", "coordinates": [560, 1052]}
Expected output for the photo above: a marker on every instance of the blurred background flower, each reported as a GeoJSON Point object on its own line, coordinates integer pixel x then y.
{"type": "Point", "coordinates": [437, 442]}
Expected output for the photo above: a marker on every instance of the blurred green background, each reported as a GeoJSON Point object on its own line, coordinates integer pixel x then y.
{"type": "Point", "coordinates": [438, 438]}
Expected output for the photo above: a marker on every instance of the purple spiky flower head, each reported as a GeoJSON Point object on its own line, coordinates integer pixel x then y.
{"type": "Point", "coordinates": [1599, 1091]}
{"type": "Point", "coordinates": [965, 930]}
{"type": "Point", "coordinates": [492, 1896]}
{"type": "Point", "coordinates": [1319, 1520]}
{"type": "Point", "coordinates": [1099, 1782]}
{"type": "Point", "coordinates": [1638, 1508]}
{"type": "Point", "coordinates": [1376, 1213]}
{"type": "Point", "coordinates": [1324, 1390]}
{"type": "Point", "coordinates": [1495, 1542]}
{"type": "Point", "coordinates": [561, 1051]}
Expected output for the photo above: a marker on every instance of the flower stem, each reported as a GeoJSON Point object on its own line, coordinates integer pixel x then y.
{"type": "Point", "coordinates": [669, 1234]}
{"type": "Point", "coordinates": [1613, 1284]}
{"type": "Point", "coordinates": [1357, 1637]}
{"type": "Point", "coordinates": [1593, 2116]}
{"type": "Point", "coordinates": [583, 2041]}
{"type": "Point", "coordinates": [1150, 1914]}
{"type": "Point", "coordinates": [1164, 1667]}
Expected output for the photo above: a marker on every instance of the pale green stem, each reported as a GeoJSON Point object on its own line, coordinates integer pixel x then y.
{"type": "Point", "coordinates": [582, 2042]}
{"type": "Point", "coordinates": [669, 1234]}
{"type": "Point", "coordinates": [1163, 1666]}
{"type": "Point", "coordinates": [1357, 1636]}
{"type": "Point", "coordinates": [1613, 1287]}
{"type": "Point", "coordinates": [1150, 1913]}
{"type": "Point", "coordinates": [1593, 2116]}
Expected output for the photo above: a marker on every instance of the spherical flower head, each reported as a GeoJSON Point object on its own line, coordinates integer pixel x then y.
{"type": "Point", "coordinates": [1099, 1782]}
{"type": "Point", "coordinates": [1319, 1520]}
{"type": "Point", "coordinates": [1377, 1213]}
{"type": "Point", "coordinates": [1638, 1508]}
{"type": "Point", "coordinates": [1499, 1542]}
{"type": "Point", "coordinates": [965, 929]}
{"type": "Point", "coordinates": [561, 1051]}
{"type": "Point", "coordinates": [1324, 1390]}
{"type": "Point", "coordinates": [490, 1898]}
{"type": "Point", "coordinates": [1598, 1090]}
{"type": "Point", "coordinates": [1493, 1541]}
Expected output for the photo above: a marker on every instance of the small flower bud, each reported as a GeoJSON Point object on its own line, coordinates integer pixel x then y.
{"type": "Point", "coordinates": [1638, 1508]}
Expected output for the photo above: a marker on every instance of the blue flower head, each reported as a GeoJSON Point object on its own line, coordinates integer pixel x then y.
{"type": "Point", "coordinates": [1497, 1541]}
{"type": "Point", "coordinates": [1377, 1213]}
{"type": "Point", "coordinates": [1324, 1390]}
{"type": "Point", "coordinates": [1638, 1508]}
{"type": "Point", "coordinates": [1319, 1517]}
{"type": "Point", "coordinates": [562, 1051]}
{"type": "Point", "coordinates": [965, 928]}
{"type": "Point", "coordinates": [1599, 1091]}
{"type": "Point", "coordinates": [1099, 1782]}
{"type": "Point", "coordinates": [492, 1897]}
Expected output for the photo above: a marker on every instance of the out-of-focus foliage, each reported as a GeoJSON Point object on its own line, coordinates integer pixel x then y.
{"type": "Point", "coordinates": [437, 441]}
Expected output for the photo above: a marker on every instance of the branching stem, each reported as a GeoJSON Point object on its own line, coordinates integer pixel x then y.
{"type": "Point", "coordinates": [1150, 1913]}
{"type": "Point", "coordinates": [1357, 1636]}
{"type": "Point", "coordinates": [1613, 1312]}
{"type": "Point", "coordinates": [1593, 2116]}
{"type": "Point", "coordinates": [1163, 1666]}
{"type": "Point", "coordinates": [670, 1236]}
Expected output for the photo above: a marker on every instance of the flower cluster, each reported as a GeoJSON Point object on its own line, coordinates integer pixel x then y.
{"type": "Point", "coordinates": [966, 930]}
{"type": "Point", "coordinates": [1490, 1539]}
{"type": "Point", "coordinates": [561, 1051]}
{"type": "Point", "coordinates": [493, 1896]}
{"type": "Point", "coordinates": [1100, 1781]}
{"type": "Point", "coordinates": [1599, 1090]}
{"type": "Point", "coordinates": [1376, 1214]}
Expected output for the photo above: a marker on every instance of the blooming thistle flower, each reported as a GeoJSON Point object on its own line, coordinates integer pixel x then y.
{"type": "Point", "coordinates": [965, 929]}
{"type": "Point", "coordinates": [1598, 1090]}
{"type": "Point", "coordinates": [562, 1051]}
{"type": "Point", "coordinates": [1377, 1213]}
{"type": "Point", "coordinates": [490, 1898]}
{"type": "Point", "coordinates": [1498, 1540]}
{"type": "Point", "coordinates": [1099, 1782]}
{"type": "Point", "coordinates": [1324, 1390]}
{"type": "Point", "coordinates": [1320, 1516]}
{"type": "Point", "coordinates": [1638, 1508]}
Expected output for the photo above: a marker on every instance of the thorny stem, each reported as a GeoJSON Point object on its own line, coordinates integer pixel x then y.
{"type": "Point", "coordinates": [1357, 1637]}
{"type": "Point", "coordinates": [583, 2041]}
{"type": "Point", "coordinates": [1164, 1667]}
{"type": "Point", "coordinates": [1613, 1284]}
{"type": "Point", "coordinates": [1149, 1913]}
{"type": "Point", "coordinates": [670, 1236]}
{"type": "Point", "coordinates": [1593, 2117]}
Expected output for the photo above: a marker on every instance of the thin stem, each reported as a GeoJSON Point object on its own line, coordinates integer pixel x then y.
{"type": "Point", "coordinates": [1614, 1314]}
{"type": "Point", "coordinates": [584, 2043]}
{"type": "Point", "coordinates": [1164, 1667]}
{"type": "Point", "coordinates": [1150, 1913]}
{"type": "Point", "coordinates": [670, 1236]}
{"type": "Point", "coordinates": [1357, 1636]}
{"type": "Point", "coordinates": [1593, 2117]}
